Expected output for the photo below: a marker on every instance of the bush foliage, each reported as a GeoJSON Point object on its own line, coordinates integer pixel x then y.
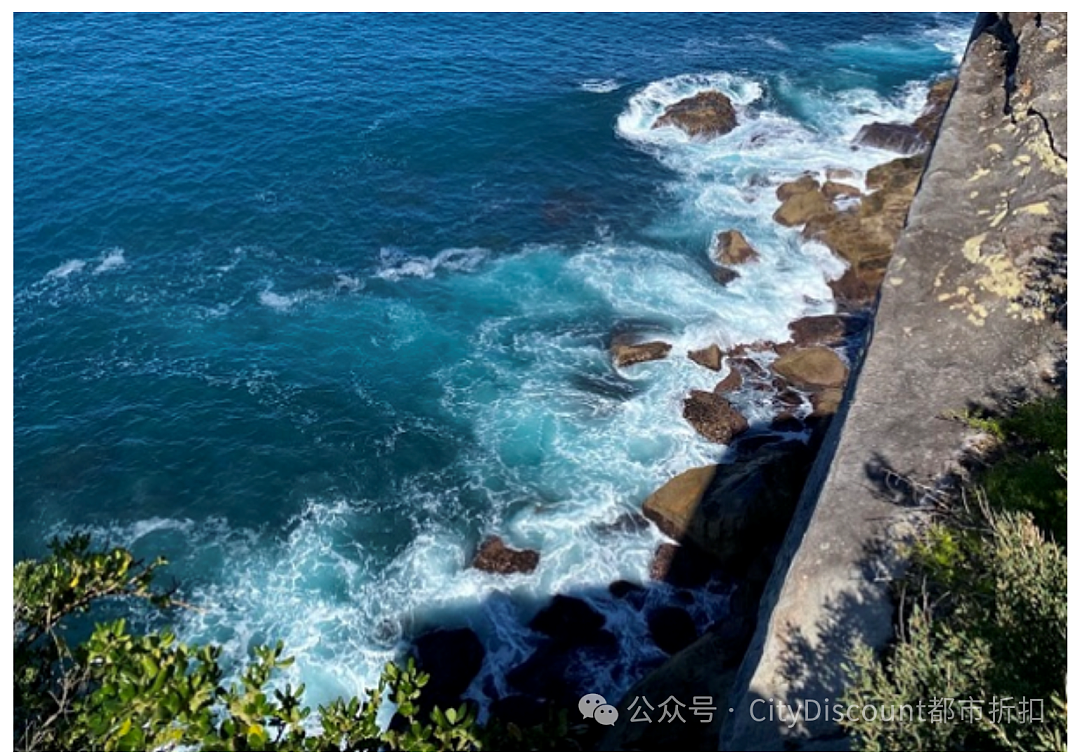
{"type": "Point", "coordinates": [120, 691]}
{"type": "Point", "coordinates": [983, 609]}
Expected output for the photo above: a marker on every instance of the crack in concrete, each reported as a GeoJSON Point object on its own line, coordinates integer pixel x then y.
{"type": "Point", "coordinates": [1049, 132]}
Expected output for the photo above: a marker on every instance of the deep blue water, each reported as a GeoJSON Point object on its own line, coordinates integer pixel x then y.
{"type": "Point", "coordinates": [313, 303]}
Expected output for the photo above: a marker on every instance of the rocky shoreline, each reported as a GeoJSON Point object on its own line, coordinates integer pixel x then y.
{"type": "Point", "coordinates": [726, 521]}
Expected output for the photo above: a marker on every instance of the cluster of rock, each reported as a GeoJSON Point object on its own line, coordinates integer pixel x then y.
{"type": "Point", "coordinates": [726, 522]}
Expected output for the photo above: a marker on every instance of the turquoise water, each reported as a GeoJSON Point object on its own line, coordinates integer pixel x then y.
{"type": "Point", "coordinates": [312, 304]}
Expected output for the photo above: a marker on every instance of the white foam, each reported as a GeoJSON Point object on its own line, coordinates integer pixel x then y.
{"type": "Point", "coordinates": [110, 260]}
{"type": "Point", "coordinates": [70, 267]}
{"type": "Point", "coordinates": [396, 265]}
{"type": "Point", "coordinates": [600, 86]}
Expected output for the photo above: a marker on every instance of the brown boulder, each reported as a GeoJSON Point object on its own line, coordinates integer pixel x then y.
{"type": "Point", "coordinates": [627, 355]}
{"type": "Point", "coordinates": [673, 505]}
{"type": "Point", "coordinates": [833, 190]}
{"type": "Point", "coordinates": [829, 329]}
{"type": "Point", "coordinates": [708, 357]}
{"type": "Point", "coordinates": [730, 383]}
{"type": "Point", "coordinates": [494, 556]}
{"type": "Point", "coordinates": [707, 114]}
{"type": "Point", "coordinates": [731, 247]}
{"type": "Point", "coordinates": [803, 207]}
{"type": "Point", "coordinates": [731, 511]}
{"type": "Point", "coordinates": [892, 137]}
{"type": "Point", "coordinates": [713, 417]}
{"type": "Point", "coordinates": [826, 402]}
{"type": "Point", "coordinates": [802, 184]}
{"type": "Point", "coordinates": [811, 368]}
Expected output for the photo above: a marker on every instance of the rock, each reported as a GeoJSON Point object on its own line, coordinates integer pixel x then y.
{"type": "Point", "coordinates": [724, 275]}
{"type": "Point", "coordinates": [789, 397]}
{"type": "Point", "coordinates": [557, 670]}
{"type": "Point", "coordinates": [672, 628]}
{"type": "Point", "coordinates": [803, 184]}
{"type": "Point", "coordinates": [452, 658]}
{"type": "Point", "coordinates": [731, 247]}
{"type": "Point", "coordinates": [826, 402]}
{"type": "Point", "coordinates": [713, 416]}
{"type": "Point", "coordinates": [840, 173]}
{"type": "Point", "coordinates": [708, 357]}
{"type": "Point", "coordinates": [936, 101]}
{"type": "Point", "coordinates": [621, 589]}
{"type": "Point", "coordinates": [892, 137]}
{"type": "Point", "coordinates": [748, 504]}
{"type": "Point", "coordinates": [811, 368]}
{"type": "Point", "coordinates": [567, 619]}
{"type": "Point", "coordinates": [627, 355]}
{"type": "Point", "coordinates": [628, 522]}
{"type": "Point", "coordinates": [673, 504]}
{"type": "Point", "coordinates": [833, 190]}
{"type": "Point", "coordinates": [802, 208]}
{"type": "Point", "coordinates": [730, 383]}
{"type": "Point", "coordinates": [707, 114]}
{"type": "Point", "coordinates": [494, 556]}
{"type": "Point", "coordinates": [752, 368]}
{"type": "Point", "coordinates": [899, 174]}
{"type": "Point", "coordinates": [829, 329]}
{"type": "Point", "coordinates": [682, 565]}
{"type": "Point", "coordinates": [855, 290]}
{"type": "Point", "coordinates": [786, 422]}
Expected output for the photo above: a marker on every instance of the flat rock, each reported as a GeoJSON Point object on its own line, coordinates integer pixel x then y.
{"type": "Point", "coordinates": [828, 329]}
{"type": "Point", "coordinates": [811, 368]}
{"type": "Point", "coordinates": [826, 402]}
{"type": "Point", "coordinates": [494, 556]}
{"type": "Point", "coordinates": [627, 355]}
{"type": "Point", "coordinates": [707, 114]}
{"type": "Point", "coordinates": [713, 416]}
{"type": "Point", "coordinates": [731, 247]}
{"type": "Point", "coordinates": [803, 184]}
{"type": "Point", "coordinates": [901, 138]}
{"type": "Point", "coordinates": [708, 357]}
{"type": "Point", "coordinates": [803, 207]}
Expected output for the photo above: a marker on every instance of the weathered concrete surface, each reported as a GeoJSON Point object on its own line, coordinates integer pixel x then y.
{"type": "Point", "coordinates": [963, 315]}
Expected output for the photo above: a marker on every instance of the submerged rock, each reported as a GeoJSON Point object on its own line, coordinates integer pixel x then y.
{"type": "Point", "coordinates": [627, 355]}
{"type": "Point", "coordinates": [494, 556]}
{"type": "Point", "coordinates": [713, 416]}
{"type": "Point", "coordinates": [707, 114]}
{"type": "Point", "coordinates": [724, 275]}
{"type": "Point", "coordinates": [731, 247]}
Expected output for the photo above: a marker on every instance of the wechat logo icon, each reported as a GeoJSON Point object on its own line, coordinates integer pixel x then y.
{"type": "Point", "coordinates": [593, 706]}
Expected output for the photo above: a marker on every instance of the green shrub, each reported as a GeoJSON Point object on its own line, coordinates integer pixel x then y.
{"type": "Point", "coordinates": [119, 691]}
{"type": "Point", "coordinates": [994, 629]}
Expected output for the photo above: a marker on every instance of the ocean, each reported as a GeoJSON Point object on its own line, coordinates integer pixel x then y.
{"type": "Point", "coordinates": [312, 304]}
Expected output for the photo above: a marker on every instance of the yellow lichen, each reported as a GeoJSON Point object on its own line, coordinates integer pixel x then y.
{"type": "Point", "coordinates": [973, 247]}
{"type": "Point", "coordinates": [1040, 208]}
{"type": "Point", "coordinates": [979, 173]}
